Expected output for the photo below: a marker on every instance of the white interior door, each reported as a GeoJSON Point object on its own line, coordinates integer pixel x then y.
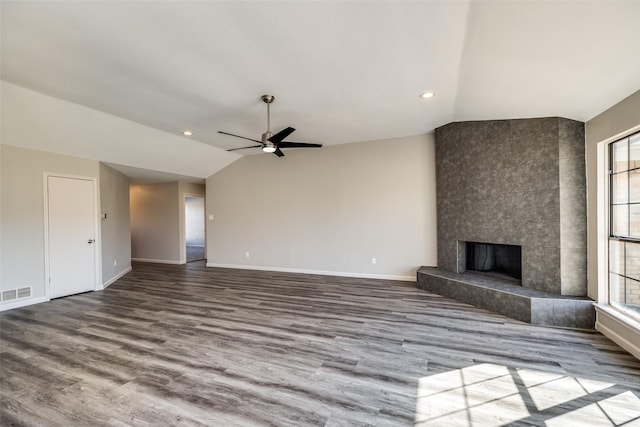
{"type": "Point", "coordinates": [71, 235]}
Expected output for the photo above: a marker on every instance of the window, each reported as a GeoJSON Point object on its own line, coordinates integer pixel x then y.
{"type": "Point", "coordinates": [624, 224]}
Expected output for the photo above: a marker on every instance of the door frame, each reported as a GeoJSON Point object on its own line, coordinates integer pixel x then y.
{"type": "Point", "coordinates": [97, 254]}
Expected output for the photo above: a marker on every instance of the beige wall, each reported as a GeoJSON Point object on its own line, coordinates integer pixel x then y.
{"type": "Point", "coordinates": [22, 212]}
{"type": "Point", "coordinates": [606, 126]}
{"type": "Point", "coordinates": [155, 231]}
{"type": "Point", "coordinates": [189, 188]}
{"type": "Point", "coordinates": [116, 228]}
{"type": "Point", "coordinates": [328, 210]}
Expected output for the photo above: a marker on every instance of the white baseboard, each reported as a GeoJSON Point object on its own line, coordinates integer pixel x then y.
{"type": "Point", "coordinates": [22, 303]}
{"type": "Point", "coordinates": [30, 301]}
{"type": "Point", "coordinates": [320, 272]}
{"type": "Point", "coordinates": [618, 328]}
{"type": "Point", "coordinates": [195, 246]}
{"type": "Point", "coordinates": [116, 277]}
{"type": "Point", "coordinates": [157, 261]}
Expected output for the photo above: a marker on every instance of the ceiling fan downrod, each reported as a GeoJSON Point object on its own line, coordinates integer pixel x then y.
{"type": "Point", "coordinates": [269, 147]}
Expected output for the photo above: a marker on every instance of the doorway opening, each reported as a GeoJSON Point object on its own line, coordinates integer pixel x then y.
{"type": "Point", "coordinates": [194, 228]}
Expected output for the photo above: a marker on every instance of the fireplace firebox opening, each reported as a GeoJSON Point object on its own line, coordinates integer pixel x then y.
{"type": "Point", "coordinates": [495, 259]}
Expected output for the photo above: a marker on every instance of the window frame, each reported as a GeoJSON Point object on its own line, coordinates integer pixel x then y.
{"type": "Point", "coordinates": [610, 236]}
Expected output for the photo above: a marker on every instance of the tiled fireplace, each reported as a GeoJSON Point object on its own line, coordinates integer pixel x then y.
{"type": "Point", "coordinates": [518, 186]}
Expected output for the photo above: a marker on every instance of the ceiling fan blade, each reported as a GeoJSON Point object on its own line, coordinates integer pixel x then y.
{"type": "Point", "coordinates": [278, 152]}
{"type": "Point", "coordinates": [278, 137]}
{"type": "Point", "coordinates": [238, 136]}
{"type": "Point", "coordinates": [286, 144]}
{"type": "Point", "coordinates": [242, 148]}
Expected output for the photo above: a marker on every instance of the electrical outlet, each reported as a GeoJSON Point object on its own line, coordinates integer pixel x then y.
{"type": "Point", "coordinates": [210, 217]}
{"type": "Point", "coordinates": [246, 254]}
{"type": "Point", "coordinates": [373, 260]}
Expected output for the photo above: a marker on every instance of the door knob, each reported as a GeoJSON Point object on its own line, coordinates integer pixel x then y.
{"type": "Point", "coordinates": [90, 241]}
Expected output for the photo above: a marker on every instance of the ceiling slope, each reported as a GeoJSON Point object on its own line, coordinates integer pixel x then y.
{"type": "Point", "coordinates": [341, 71]}
{"type": "Point", "coordinates": [40, 122]}
{"type": "Point", "coordinates": [562, 58]}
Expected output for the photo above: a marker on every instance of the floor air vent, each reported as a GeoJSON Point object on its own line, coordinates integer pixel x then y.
{"type": "Point", "coordinates": [14, 294]}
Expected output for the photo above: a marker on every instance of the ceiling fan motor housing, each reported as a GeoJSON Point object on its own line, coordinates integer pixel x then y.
{"type": "Point", "coordinates": [265, 137]}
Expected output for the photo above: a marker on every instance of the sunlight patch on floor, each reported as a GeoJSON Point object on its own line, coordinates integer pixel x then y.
{"type": "Point", "coordinates": [492, 395]}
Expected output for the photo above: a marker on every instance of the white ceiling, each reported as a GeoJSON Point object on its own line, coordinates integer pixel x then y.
{"type": "Point", "coordinates": [341, 71]}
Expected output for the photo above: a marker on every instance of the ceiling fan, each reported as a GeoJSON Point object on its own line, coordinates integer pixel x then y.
{"type": "Point", "coordinates": [271, 143]}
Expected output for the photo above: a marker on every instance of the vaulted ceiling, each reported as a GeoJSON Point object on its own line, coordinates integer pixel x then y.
{"type": "Point", "coordinates": [341, 71]}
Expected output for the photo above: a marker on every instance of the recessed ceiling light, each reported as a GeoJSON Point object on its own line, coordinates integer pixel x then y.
{"type": "Point", "coordinates": [187, 133]}
{"type": "Point", "coordinates": [426, 95]}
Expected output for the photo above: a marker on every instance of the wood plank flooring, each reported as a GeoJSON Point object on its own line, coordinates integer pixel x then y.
{"type": "Point", "coordinates": [190, 345]}
{"type": "Point", "coordinates": [195, 253]}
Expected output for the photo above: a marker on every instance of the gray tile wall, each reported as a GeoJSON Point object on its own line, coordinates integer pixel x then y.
{"type": "Point", "coordinates": [573, 201]}
{"type": "Point", "coordinates": [517, 182]}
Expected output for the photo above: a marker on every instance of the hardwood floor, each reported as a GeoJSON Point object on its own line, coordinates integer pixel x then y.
{"type": "Point", "coordinates": [187, 345]}
{"type": "Point", "coordinates": [195, 253]}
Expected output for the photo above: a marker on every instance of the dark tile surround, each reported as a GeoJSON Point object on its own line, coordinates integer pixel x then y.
{"type": "Point", "coordinates": [515, 182]}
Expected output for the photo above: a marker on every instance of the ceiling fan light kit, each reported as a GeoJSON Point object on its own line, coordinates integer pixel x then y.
{"type": "Point", "coordinates": [271, 143]}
